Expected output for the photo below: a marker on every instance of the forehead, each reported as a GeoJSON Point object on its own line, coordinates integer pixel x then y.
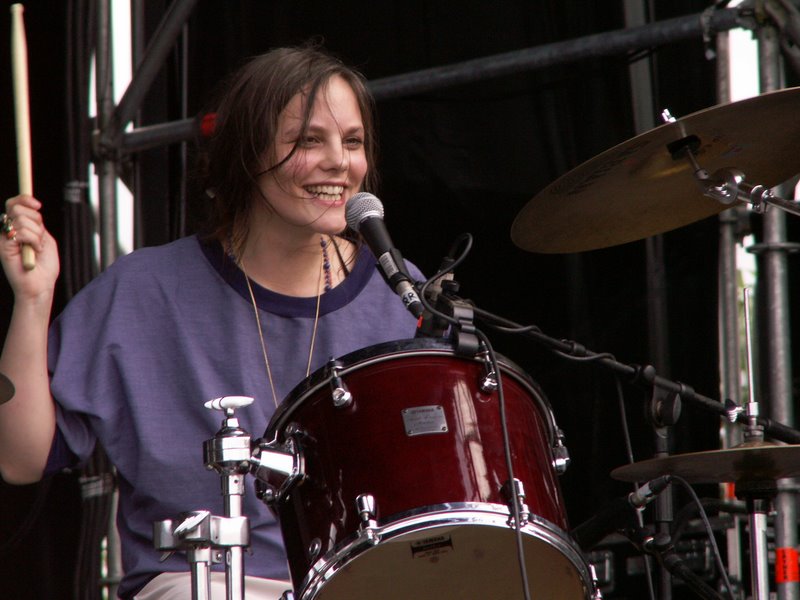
{"type": "Point", "coordinates": [335, 102]}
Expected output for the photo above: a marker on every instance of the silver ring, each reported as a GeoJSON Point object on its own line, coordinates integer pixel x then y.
{"type": "Point", "coordinates": [7, 224]}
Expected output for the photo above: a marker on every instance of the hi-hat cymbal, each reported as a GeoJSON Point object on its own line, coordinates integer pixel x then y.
{"type": "Point", "coordinates": [747, 462]}
{"type": "Point", "coordinates": [637, 189]}
{"type": "Point", "coordinates": [6, 389]}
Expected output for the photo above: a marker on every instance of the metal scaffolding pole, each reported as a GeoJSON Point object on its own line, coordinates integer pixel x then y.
{"type": "Point", "coordinates": [611, 43]}
{"type": "Point", "coordinates": [106, 162]}
{"type": "Point", "coordinates": [644, 111]}
{"type": "Point", "coordinates": [728, 322]}
{"type": "Point", "coordinates": [776, 366]}
{"type": "Point", "coordinates": [112, 120]}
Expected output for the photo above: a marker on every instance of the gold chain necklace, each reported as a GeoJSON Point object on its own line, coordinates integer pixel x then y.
{"type": "Point", "coordinates": [261, 332]}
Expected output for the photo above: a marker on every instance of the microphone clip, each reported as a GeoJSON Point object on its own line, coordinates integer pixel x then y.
{"type": "Point", "coordinates": [450, 313]}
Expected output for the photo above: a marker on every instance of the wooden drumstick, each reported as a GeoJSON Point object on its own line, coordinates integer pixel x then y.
{"type": "Point", "coordinates": [19, 67]}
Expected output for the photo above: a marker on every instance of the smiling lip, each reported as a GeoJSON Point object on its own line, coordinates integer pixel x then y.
{"type": "Point", "coordinates": [326, 193]}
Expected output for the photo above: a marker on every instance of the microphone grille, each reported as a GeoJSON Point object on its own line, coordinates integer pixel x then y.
{"type": "Point", "coordinates": [361, 206]}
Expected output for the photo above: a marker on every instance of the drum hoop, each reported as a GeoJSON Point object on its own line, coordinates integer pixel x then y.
{"type": "Point", "coordinates": [387, 351]}
{"type": "Point", "coordinates": [451, 514]}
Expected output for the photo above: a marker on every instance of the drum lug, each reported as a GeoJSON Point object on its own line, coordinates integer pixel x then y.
{"type": "Point", "coordinates": [597, 594]}
{"type": "Point", "coordinates": [341, 396]}
{"type": "Point", "coordinates": [561, 457]}
{"type": "Point", "coordinates": [277, 469]}
{"type": "Point", "coordinates": [516, 495]}
{"type": "Point", "coordinates": [366, 507]}
{"type": "Point", "coordinates": [488, 381]}
{"type": "Point", "coordinates": [314, 549]}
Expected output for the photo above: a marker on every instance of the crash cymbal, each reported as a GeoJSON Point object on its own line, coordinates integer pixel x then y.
{"type": "Point", "coordinates": [747, 462]}
{"type": "Point", "coordinates": [637, 189]}
{"type": "Point", "coordinates": [6, 389]}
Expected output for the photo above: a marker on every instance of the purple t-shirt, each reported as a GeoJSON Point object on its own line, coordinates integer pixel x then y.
{"type": "Point", "coordinates": [137, 353]}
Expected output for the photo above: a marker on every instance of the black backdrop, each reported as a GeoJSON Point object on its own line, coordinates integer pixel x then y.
{"type": "Point", "coordinates": [466, 158]}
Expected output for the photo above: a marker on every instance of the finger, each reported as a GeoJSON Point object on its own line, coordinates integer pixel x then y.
{"type": "Point", "coordinates": [26, 228]}
{"type": "Point", "coordinates": [30, 215]}
{"type": "Point", "coordinates": [22, 200]}
{"type": "Point", "coordinates": [24, 217]}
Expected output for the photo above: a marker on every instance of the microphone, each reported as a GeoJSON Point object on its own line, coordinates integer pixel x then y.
{"type": "Point", "coordinates": [364, 214]}
{"type": "Point", "coordinates": [619, 514]}
{"type": "Point", "coordinates": [643, 495]}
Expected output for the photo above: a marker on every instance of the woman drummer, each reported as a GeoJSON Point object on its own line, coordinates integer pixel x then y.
{"type": "Point", "coordinates": [265, 295]}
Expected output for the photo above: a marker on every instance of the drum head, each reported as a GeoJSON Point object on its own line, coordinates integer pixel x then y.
{"type": "Point", "coordinates": [442, 562]}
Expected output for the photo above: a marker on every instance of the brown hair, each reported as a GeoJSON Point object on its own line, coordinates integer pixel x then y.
{"type": "Point", "coordinates": [246, 123]}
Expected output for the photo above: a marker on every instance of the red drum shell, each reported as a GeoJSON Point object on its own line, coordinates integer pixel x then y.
{"type": "Point", "coordinates": [371, 447]}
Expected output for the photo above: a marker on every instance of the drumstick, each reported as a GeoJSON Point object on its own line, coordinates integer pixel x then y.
{"type": "Point", "coordinates": [19, 67]}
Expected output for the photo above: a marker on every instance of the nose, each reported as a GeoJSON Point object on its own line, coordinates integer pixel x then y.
{"type": "Point", "coordinates": [336, 156]}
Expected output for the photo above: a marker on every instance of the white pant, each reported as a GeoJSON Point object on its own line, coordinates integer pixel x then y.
{"type": "Point", "coordinates": [178, 586]}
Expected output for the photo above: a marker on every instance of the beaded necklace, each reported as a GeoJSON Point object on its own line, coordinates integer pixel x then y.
{"type": "Point", "coordinates": [325, 271]}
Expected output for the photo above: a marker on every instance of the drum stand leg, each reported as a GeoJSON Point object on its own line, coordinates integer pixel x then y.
{"type": "Point", "coordinates": [204, 537]}
{"type": "Point", "coordinates": [758, 495]}
{"type": "Point", "coordinates": [200, 562]}
{"type": "Point", "coordinates": [193, 535]}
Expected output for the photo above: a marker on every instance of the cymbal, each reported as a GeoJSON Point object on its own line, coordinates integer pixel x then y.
{"type": "Point", "coordinates": [6, 389]}
{"type": "Point", "coordinates": [747, 462]}
{"type": "Point", "coordinates": [636, 189]}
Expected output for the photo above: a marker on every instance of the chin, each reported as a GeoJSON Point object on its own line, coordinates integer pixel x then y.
{"type": "Point", "coordinates": [330, 225]}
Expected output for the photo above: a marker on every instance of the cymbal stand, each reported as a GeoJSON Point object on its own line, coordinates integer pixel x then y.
{"type": "Point", "coordinates": [758, 494]}
{"type": "Point", "coordinates": [728, 185]}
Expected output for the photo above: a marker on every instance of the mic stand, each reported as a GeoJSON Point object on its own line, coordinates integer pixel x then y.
{"type": "Point", "coordinates": [665, 409]}
{"type": "Point", "coordinates": [642, 375]}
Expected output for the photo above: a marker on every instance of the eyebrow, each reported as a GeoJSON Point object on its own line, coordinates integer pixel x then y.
{"type": "Point", "coordinates": [294, 131]}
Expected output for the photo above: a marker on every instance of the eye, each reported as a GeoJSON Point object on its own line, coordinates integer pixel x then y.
{"type": "Point", "coordinates": [353, 142]}
{"type": "Point", "coordinates": [307, 141]}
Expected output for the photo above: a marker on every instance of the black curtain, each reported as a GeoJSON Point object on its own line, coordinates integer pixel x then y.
{"type": "Point", "coordinates": [462, 159]}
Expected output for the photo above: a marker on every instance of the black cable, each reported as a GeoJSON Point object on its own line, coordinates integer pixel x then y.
{"type": "Point", "coordinates": [685, 514]}
{"type": "Point", "coordinates": [626, 438]}
{"type": "Point", "coordinates": [675, 565]}
{"type": "Point", "coordinates": [451, 262]}
{"type": "Point", "coordinates": [464, 239]}
{"type": "Point", "coordinates": [509, 466]}
{"type": "Point", "coordinates": [709, 531]}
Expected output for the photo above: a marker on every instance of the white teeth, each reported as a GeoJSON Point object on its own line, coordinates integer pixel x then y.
{"type": "Point", "coordinates": [326, 193]}
{"type": "Point", "coordinates": [329, 190]}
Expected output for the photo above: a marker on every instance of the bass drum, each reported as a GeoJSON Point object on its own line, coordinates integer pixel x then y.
{"type": "Point", "coordinates": [406, 488]}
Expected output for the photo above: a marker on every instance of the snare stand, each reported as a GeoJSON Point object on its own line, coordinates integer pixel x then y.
{"type": "Point", "coordinates": [228, 453]}
{"type": "Point", "coordinates": [204, 536]}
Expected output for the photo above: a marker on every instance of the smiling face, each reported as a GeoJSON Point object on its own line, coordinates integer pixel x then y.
{"type": "Point", "coordinates": [317, 169]}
